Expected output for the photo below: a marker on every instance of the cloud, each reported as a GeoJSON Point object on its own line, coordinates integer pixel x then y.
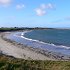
{"type": "Point", "coordinates": [20, 6]}
{"type": "Point", "coordinates": [43, 6]}
{"type": "Point", "coordinates": [42, 10]}
{"type": "Point", "coordinates": [5, 2]}
{"type": "Point", "coordinates": [47, 6]}
{"type": "Point", "coordinates": [50, 6]}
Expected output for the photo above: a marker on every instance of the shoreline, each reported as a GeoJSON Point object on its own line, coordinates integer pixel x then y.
{"type": "Point", "coordinates": [18, 50]}
{"type": "Point", "coordinates": [34, 40]}
{"type": "Point", "coordinates": [29, 52]}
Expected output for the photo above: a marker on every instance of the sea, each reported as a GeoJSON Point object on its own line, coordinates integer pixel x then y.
{"type": "Point", "coordinates": [54, 40]}
{"type": "Point", "coordinates": [51, 36]}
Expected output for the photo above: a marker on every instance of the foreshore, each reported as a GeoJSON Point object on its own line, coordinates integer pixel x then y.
{"type": "Point", "coordinates": [17, 50]}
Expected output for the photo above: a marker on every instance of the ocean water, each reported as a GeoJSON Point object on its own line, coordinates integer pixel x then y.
{"type": "Point", "coordinates": [53, 40]}
{"type": "Point", "coordinates": [51, 36]}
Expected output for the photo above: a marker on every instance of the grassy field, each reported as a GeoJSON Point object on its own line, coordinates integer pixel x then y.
{"type": "Point", "coordinates": [10, 63]}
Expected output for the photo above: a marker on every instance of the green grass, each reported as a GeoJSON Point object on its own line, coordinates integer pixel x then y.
{"type": "Point", "coordinates": [9, 63]}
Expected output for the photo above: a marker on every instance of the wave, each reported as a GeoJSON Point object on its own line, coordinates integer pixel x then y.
{"type": "Point", "coordinates": [33, 40]}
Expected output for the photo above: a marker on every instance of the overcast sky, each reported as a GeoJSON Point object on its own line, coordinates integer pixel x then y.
{"type": "Point", "coordinates": [35, 13]}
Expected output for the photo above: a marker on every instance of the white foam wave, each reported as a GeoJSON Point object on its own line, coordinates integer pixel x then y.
{"type": "Point", "coordinates": [64, 47]}
{"type": "Point", "coordinates": [61, 46]}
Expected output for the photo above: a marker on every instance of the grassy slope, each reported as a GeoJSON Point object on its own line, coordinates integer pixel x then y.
{"type": "Point", "coordinates": [9, 63]}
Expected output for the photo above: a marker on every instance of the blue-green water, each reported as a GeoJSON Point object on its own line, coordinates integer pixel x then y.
{"type": "Point", "coordinates": [55, 40]}
{"type": "Point", "coordinates": [55, 36]}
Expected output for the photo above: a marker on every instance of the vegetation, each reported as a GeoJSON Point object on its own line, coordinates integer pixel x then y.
{"type": "Point", "coordinates": [3, 29]}
{"type": "Point", "coordinates": [10, 29]}
{"type": "Point", "coordinates": [11, 63]}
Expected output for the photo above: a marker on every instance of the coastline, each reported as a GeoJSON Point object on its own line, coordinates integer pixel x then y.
{"type": "Point", "coordinates": [18, 50]}
{"type": "Point", "coordinates": [39, 41]}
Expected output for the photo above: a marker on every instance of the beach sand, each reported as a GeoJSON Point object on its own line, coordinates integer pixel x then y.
{"type": "Point", "coordinates": [16, 51]}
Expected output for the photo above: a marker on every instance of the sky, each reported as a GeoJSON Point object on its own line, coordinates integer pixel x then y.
{"type": "Point", "coordinates": [35, 13]}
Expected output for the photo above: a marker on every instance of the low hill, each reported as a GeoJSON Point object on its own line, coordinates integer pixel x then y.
{"type": "Point", "coordinates": [11, 63]}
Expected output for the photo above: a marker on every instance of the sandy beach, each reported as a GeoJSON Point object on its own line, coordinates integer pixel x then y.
{"type": "Point", "coordinates": [18, 52]}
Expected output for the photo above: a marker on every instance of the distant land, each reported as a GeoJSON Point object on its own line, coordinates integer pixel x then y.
{"type": "Point", "coordinates": [2, 29]}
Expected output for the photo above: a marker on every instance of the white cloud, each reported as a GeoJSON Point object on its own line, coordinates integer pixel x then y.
{"type": "Point", "coordinates": [40, 12]}
{"type": "Point", "coordinates": [43, 9]}
{"type": "Point", "coordinates": [50, 6]}
{"type": "Point", "coordinates": [20, 6]}
{"type": "Point", "coordinates": [47, 6]}
{"type": "Point", "coordinates": [5, 2]}
{"type": "Point", "coordinates": [43, 6]}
